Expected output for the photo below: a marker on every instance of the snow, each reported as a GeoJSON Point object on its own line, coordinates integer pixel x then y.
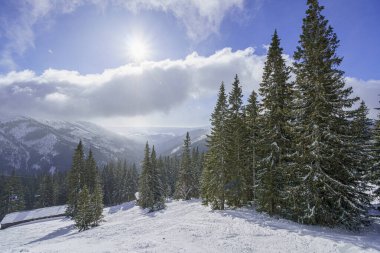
{"type": "Point", "coordinates": [185, 226]}
{"type": "Point", "coordinates": [21, 130]}
{"type": "Point", "coordinates": [33, 214]}
{"type": "Point", "coordinates": [44, 145]}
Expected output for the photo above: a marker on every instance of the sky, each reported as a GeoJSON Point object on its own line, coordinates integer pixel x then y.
{"type": "Point", "coordinates": [160, 63]}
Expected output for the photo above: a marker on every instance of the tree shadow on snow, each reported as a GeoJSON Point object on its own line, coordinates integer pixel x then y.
{"type": "Point", "coordinates": [59, 232]}
{"type": "Point", "coordinates": [367, 238]}
{"type": "Point", "coordinates": [122, 207]}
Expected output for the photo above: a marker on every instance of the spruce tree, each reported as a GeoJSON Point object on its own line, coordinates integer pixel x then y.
{"type": "Point", "coordinates": [90, 172]}
{"type": "Point", "coordinates": [215, 168]}
{"type": "Point", "coordinates": [327, 189]}
{"type": "Point", "coordinates": [275, 142]}
{"type": "Point", "coordinates": [362, 148]}
{"type": "Point", "coordinates": [155, 184]}
{"type": "Point", "coordinates": [252, 122]}
{"type": "Point", "coordinates": [96, 203]}
{"type": "Point", "coordinates": [75, 180]}
{"type": "Point", "coordinates": [375, 175]}
{"type": "Point", "coordinates": [236, 185]}
{"type": "Point", "coordinates": [83, 217]}
{"type": "Point", "coordinates": [197, 166]}
{"type": "Point", "coordinates": [185, 184]}
{"type": "Point", "coordinates": [150, 194]}
{"type": "Point", "coordinates": [145, 193]}
{"type": "Point", "coordinates": [85, 200]}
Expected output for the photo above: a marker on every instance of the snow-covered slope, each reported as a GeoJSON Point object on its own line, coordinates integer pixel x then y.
{"type": "Point", "coordinates": [39, 213]}
{"type": "Point", "coordinates": [28, 144]}
{"type": "Point", "coordinates": [185, 227]}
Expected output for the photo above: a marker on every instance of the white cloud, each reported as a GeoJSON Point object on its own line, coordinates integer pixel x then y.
{"type": "Point", "coordinates": [200, 18]}
{"type": "Point", "coordinates": [19, 30]}
{"type": "Point", "coordinates": [369, 91]}
{"type": "Point", "coordinates": [131, 90]}
{"type": "Point", "coordinates": [169, 92]}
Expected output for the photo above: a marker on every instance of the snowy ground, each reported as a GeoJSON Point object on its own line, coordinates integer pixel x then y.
{"type": "Point", "coordinates": [185, 227]}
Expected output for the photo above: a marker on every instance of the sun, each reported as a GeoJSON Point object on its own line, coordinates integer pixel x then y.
{"type": "Point", "coordinates": [138, 49]}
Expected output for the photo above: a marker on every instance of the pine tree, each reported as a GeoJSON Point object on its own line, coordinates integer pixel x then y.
{"type": "Point", "coordinates": [214, 174]}
{"type": "Point", "coordinates": [236, 186]}
{"type": "Point", "coordinates": [276, 91]}
{"type": "Point", "coordinates": [375, 177]}
{"type": "Point", "coordinates": [75, 180]}
{"type": "Point", "coordinates": [185, 184]}
{"type": "Point", "coordinates": [83, 216]}
{"type": "Point", "coordinates": [150, 194]}
{"type": "Point", "coordinates": [96, 203]}
{"type": "Point", "coordinates": [90, 172]}
{"type": "Point", "coordinates": [85, 200]}
{"type": "Point", "coordinates": [327, 189]}
{"type": "Point", "coordinates": [362, 147]}
{"type": "Point", "coordinates": [252, 122]}
{"type": "Point", "coordinates": [197, 166]}
{"type": "Point", "coordinates": [155, 184]}
{"type": "Point", "coordinates": [145, 193]}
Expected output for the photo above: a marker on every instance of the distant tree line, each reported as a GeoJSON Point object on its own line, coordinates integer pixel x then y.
{"type": "Point", "coordinates": [24, 192]}
{"type": "Point", "coordinates": [170, 177]}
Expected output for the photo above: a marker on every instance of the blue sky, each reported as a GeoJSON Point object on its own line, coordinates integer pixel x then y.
{"type": "Point", "coordinates": [159, 61]}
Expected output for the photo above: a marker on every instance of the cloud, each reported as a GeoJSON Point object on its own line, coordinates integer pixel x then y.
{"type": "Point", "coordinates": [169, 92]}
{"type": "Point", "coordinates": [200, 19]}
{"type": "Point", "coordinates": [128, 91]}
{"type": "Point", "coordinates": [369, 91]}
{"type": "Point", "coordinates": [18, 27]}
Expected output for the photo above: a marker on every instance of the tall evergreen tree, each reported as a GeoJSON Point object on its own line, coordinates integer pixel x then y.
{"type": "Point", "coordinates": [96, 202]}
{"type": "Point", "coordinates": [75, 180]}
{"type": "Point", "coordinates": [214, 173]}
{"type": "Point", "coordinates": [236, 186]}
{"type": "Point", "coordinates": [276, 91]}
{"type": "Point", "coordinates": [197, 166]}
{"type": "Point", "coordinates": [375, 177]}
{"type": "Point", "coordinates": [90, 172]}
{"type": "Point", "coordinates": [362, 150]}
{"type": "Point", "coordinates": [252, 122]}
{"type": "Point", "coordinates": [185, 184]}
{"type": "Point", "coordinates": [150, 195]}
{"type": "Point", "coordinates": [83, 216]}
{"type": "Point", "coordinates": [327, 190]}
{"type": "Point", "coordinates": [85, 200]}
{"type": "Point", "coordinates": [156, 187]}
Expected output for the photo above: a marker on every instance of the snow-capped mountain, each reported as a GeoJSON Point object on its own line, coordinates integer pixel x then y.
{"type": "Point", "coordinates": [168, 141]}
{"type": "Point", "coordinates": [27, 144]}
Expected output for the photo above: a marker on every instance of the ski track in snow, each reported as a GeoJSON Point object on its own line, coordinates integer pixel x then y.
{"type": "Point", "coordinates": [185, 226]}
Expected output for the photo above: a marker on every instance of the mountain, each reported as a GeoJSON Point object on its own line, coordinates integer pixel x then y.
{"type": "Point", "coordinates": [28, 144]}
{"type": "Point", "coordinates": [168, 141]}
